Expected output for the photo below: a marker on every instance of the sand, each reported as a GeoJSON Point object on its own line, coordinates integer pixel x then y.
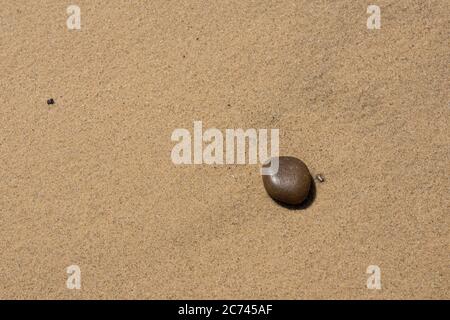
{"type": "Point", "coordinates": [89, 180]}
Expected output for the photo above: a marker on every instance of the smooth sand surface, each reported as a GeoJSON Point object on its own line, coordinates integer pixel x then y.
{"type": "Point", "coordinates": [89, 180]}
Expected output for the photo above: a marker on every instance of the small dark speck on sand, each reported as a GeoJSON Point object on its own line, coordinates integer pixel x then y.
{"type": "Point", "coordinates": [50, 101]}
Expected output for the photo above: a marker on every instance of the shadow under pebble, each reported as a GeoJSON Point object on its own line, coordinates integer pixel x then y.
{"type": "Point", "coordinates": [306, 203]}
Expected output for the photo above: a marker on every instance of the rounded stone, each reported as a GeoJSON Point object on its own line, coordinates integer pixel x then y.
{"type": "Point", "coordinates": [292, 182]}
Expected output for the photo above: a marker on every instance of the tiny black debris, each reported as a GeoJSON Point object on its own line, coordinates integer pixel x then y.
{"type": "Point", "coordinates": [50, 101]}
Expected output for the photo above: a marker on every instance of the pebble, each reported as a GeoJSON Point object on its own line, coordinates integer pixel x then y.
{"type": "Point", "coordinates": [292, 182]}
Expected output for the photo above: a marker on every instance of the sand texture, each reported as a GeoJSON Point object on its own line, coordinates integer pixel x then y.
{"type": "Point", "coordinates": [89, 180]}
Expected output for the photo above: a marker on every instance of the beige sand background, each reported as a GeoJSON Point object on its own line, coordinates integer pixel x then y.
{"type": "Point", "coordinates": [89, 181]}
